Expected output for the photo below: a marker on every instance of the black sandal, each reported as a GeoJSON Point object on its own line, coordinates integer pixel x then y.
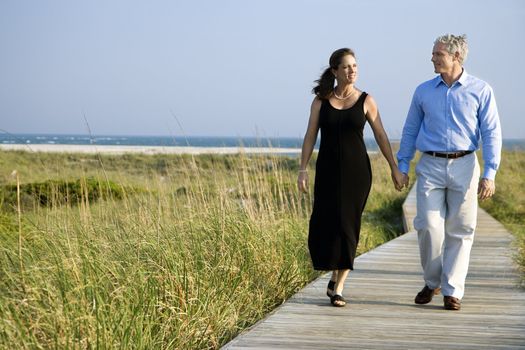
{"type": "Point", "coordinates": [337, 298]}
{"type": "Point", "coordinates": [331, 286]}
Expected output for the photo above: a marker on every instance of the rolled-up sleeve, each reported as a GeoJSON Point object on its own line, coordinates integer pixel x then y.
{"type": "Point", "coordinates": [407, 147]}
{"type": "Point", "coordinates": [490, 129]}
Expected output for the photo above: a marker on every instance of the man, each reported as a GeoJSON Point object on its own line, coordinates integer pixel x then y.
{"type": "Point", "coordinates": [448, 117]}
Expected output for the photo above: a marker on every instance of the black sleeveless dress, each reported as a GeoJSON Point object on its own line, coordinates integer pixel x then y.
{"type": "Point", "coordinates": [342, 183]}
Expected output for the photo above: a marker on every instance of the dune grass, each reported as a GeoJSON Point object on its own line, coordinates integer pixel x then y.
{"type": "Point", "coordinates": [192, 251]}
{"type": "Point", "coordinates": [508, 203]}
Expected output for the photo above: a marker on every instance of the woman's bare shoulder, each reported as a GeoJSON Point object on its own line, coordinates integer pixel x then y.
{"type": "Point", "coordinates": [316, 103]}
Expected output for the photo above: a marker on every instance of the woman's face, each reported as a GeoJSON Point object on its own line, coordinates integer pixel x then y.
{"type": "Point", "coordinates": [346, 73]}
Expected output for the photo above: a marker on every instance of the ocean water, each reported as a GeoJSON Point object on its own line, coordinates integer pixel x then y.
{"type": "Point", "coordinates": [181, 141]}
{"type": "Point", "coordinates": [194, 141]}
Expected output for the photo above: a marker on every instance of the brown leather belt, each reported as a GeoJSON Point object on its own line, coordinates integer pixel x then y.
{"type": "Point", "coordinates": [452, 155]}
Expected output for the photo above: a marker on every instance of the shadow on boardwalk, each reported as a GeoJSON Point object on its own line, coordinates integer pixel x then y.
{"type": "Point", "coordinates": [380, 313]}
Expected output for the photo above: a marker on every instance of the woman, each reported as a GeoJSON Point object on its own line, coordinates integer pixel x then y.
{"type": "Point", "coordinates": [343, 174]}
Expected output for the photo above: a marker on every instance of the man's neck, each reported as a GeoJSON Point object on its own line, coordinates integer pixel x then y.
{"type": "Point", "coordinates": [450, 77]}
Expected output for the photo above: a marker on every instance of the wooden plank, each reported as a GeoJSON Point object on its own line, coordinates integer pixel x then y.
{"type": "Point", "coordinates": [381, 314]}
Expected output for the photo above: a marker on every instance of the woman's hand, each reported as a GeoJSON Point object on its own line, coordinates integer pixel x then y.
{"type": "Point", "coordinates": [302, 181]}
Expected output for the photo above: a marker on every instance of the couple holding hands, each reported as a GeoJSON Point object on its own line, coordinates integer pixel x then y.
{"type": "Point", "coordinates": [449, 117]}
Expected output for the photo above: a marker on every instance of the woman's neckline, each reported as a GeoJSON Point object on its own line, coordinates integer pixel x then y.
{"type": "Point", "coordinates": [345, 109]}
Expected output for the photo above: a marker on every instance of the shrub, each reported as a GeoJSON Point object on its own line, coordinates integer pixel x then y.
{"type": "Point", "coordinates": [59, 192]}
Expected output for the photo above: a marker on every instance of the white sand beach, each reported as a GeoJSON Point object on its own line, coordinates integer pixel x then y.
{"type": "Point", "coordinates": [118, 149]}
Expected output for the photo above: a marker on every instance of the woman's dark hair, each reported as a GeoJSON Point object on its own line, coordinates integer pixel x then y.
{"type": "Point", "coordinates": [325, 84]}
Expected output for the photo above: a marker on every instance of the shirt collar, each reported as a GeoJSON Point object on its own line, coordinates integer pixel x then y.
{"type": "Point", "coordinates": [462, 79]}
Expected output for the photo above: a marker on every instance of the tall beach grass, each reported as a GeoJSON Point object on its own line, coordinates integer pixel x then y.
{"type": "Point", "coordinates": [192, 251]}
{"type": "Point", "coordinates": [508, 203]}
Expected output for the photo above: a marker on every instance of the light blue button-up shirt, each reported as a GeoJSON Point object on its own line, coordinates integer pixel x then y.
{"type": "Point", "coordinates": [450, 119]}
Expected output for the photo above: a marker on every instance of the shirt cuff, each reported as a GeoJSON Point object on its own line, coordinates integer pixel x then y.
{"type": "Point", "coordinates": [489, 174]}
{"type": "Point", "coordinates": [403, 166]}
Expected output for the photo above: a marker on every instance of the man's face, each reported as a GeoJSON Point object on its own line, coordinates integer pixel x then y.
{"type": "Point", "coordinates": [443, 61]}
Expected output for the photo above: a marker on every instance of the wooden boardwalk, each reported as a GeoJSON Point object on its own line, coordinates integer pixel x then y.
{"type": "Point", "coordinates": [380, 312]}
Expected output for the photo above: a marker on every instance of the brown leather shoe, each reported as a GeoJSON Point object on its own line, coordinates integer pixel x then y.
{"type": "Point", "coordinates": [426, 294]}
{"type": "Point", "coordinates": [451, 303]}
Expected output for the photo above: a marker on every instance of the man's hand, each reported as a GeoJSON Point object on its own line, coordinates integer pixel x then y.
{"type": "Point", "coordinates": [406, 180]}
{"type": "Point", "coordinates": [486, 189]}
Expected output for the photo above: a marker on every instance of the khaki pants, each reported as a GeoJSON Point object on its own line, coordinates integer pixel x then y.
{"type": "Point", "coordinates": [447, 206]}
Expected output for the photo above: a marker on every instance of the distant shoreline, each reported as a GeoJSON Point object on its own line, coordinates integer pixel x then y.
{"type": "Point", "coordinates": [119, 149]}
{"type": "Point", "coordinates": [148, 149]}
{"type": "Point", "coordinates": [178, 145]}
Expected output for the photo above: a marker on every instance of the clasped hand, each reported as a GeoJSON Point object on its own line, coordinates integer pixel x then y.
{"type": "Point", "coordinates": [400, 179]}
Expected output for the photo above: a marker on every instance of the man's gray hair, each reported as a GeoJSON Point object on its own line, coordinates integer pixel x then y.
{"type": "Point", "coordinates": [455, 43]}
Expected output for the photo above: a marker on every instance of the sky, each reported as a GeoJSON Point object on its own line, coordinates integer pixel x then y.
{"type": "Point", "coordinates": [234, 67]}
